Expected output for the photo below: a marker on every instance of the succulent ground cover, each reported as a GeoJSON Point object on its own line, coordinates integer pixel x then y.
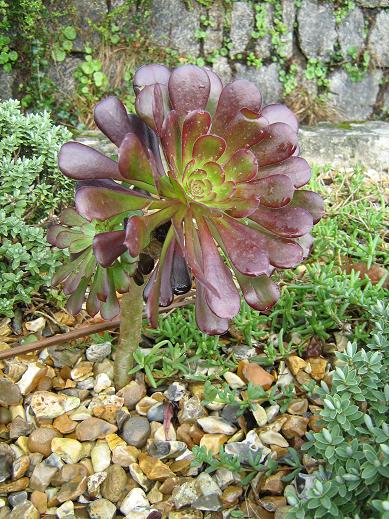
{"type": "Point", "coordinates": [191, 436]}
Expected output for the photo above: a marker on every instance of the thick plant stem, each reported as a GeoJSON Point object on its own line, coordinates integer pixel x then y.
{"type": "Point", "coordinates": [131, 307]}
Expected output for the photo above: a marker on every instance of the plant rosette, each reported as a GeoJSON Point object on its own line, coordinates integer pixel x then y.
{"type": "Point", "coordinates": [210, 165]}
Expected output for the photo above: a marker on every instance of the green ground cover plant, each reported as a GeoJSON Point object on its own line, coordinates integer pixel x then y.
{"type": "Point", "coordinates": [32, 189]}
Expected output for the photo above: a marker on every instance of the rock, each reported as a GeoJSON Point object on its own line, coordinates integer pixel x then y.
{"type": "Point", "coordinates": [354, 101]}
{"type": "Point", "coordinates": [273, 438]}
{"type": "Point", "coordinates": [101, 509]}
{"type": "Point", "coordinates": [295, 364]}
{"type": "Point", "coordinates": [81, 371]}
{"type": "Point", "coordinates": [216, 425]}
{"type": "Point", "coordinates": [266, 79]}
{"type": "Point", "coordinates": [231, 495]}
{"type": "Point", "coordinates": [73, 489]}
{"type": "Point", "coordinates": [50, 405]}
{"type": "Point", "coordinates": [80, 414]}
{"type": "Point", "coordinates": [175, 392]}
{"type": "Point", "coordinates": [155, 496]}
{"type": "Point", "coordinates": [101, 456]}
{"type": "Point", "coordinates": [5, 416]}
{"type": "Point", "coordinates": [315, 423]}
{"type": "Point", "coordinates": [378, 44]}
{"type": "Point", "coordinates": [191, 410]}
{"type": "Point", "coordinates": [42, 475]}
{"type": "Point", "coordinates": [114, 441]}
{"type": "Point", "coordinates": [373, 3]}
{"type": "Point", "coordinates": [233, 380]}
{"type": "Point", "coordinates": [6, 85]}
{"type": "Point", "coordinates": [285, 377]}
{"type": "Point", "coordinates": [135, 500]}
{"type": "Point", "coordinates": [139, 477]}
{"type": "Point", "coordinates": [272, 484]}
{"type": "Point", "coordinates": [259, 414]}
{"type": "Point", "coordinates": [68, 449]}
{"type": "Point", "coordinates": [94, 481]}
{"type": "Point", "coordinates": [242, 25]}
{"type": "Point", "coordinates": [9, 393]}
{"type": "Point", "coordinates": [272, 411]}
{"type": "Point", "coordinates": [318, 367]}
{"type": "Point", "coordinates": [98, 352]}
{"type": "Point", "coordinates": [156, 412]}
{"type": "Point", "coordinates": [132, 393]}
{"type": "Point", "coordinates": [298, 406]}
{"type": "Point", "coordinates": [145, 404]}
{"type": "Point", "coordinates": [15, 486]}
{"type": "Point", "coordinates": [24, 511]}
{"type": "Point", "coordinates": [249, 448]}
{"type": "Point", "coordinates": [316, 29]}
{"type": "Point", "coordinates": [20, 427]}
{"type": "Point", "coordinates": [295, 426]}
{"type": "Point", "coordinates": [66, 510]}
{"type": "Point", "coordinates": [154, 468]}
{"type": "Point", "coordinates": [31, 377]}
{"type": "Point", "coordinates": [255, 374]}
{"type": "Point", "coordinates": [272, 503]}
{"type": "Point", "coordinates": [114, 484]}
{"type": "Point", "coordinates": [202, 494]}
{"type": "Point", "coordinates": [7, 457]}
{"type": "Point", "coordinates": [222, 68]}
{"type": "Point", "coordinates": [136, 430]}
{"type": "Point", "coordinates": [39, 500]}
{"type": "Point", "coordinates": [125, 455]}
{"type": "Point", "coordinates": [92, 429]}
{"type": "Point", "coordinates": [64, 424]}
{"type": "Point", "coordinates": [102, 382]}
{"type": "Point", "coordinates": [167, 449]}
{"type": "Point", "coordinates": [351, 32]}
{"type": "Point", "coordinates": [214, 33]}
{"type": "Point", "coordinates": [20, 467]}
{"type": "Point", "coordinates": [40, 440]}
{"type": "Point", "coordinates": [174, 25]}
{"type": "Point", "coordinates": [63, 355]}
{"type": "Point", "coordinates": [17, 499]}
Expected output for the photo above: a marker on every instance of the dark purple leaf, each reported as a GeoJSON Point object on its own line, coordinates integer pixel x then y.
{"type": "Point", "coordinates": [189, 88]}
{"type": "Point", "coordinates": [74, 304]}
{"type": "Point", "coordinates": [246, 248]}
{"type": "Point", "coordinates": [108, 246]}
{"type": "Point", "coordinates": [278, 143]}
{"type": "Point", "coordinates": [288, 221]}
{"type": "Point", "coordinates": [278, 113]}
{"type": "Point", "coordinates": [206, 320]}
{"type": "Point", "coordinates": [195, 124]}
{"type": "Point", "coordinates": [260, 293]}
{"type": "Point", "coordinates": [296, 168]}
{"type": "Point", "coordinates": [171, 140]}
{"type": "Point", "coordinates": [274, 191]}
{"type": "Point", "coordinates": [180, 278]}
{"type": "Point", "coordinates": [92, 303]}
{"type": "Point", "coordinates": [133, 160]}
{"type": "Point", "coordinates": [284, 253]}
{"type": "Point", "coordinates": [149, 75]}
{"type": "Point", "coordinates": [215, 91]}
{"type": "Point", "coordinates": [110, 308]}
{"type": "Point", "coordinates": [166, 295]}
{"type": "Point", "coordinates": [81, 162]}
{"type": "Point", "coordinates": [111, 117]}
{"type": "Point", "coordinates": [310, 201]}
{"type": "Point", "coordinates": [235, 96]}
{"type": "Point", "coordinates": [243, 131]}
{"type": "Point", "coordinates": [101, 203]}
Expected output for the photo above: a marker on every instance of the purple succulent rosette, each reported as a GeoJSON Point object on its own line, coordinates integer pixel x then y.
{"type": "Point", "coordinates": [216, 169]}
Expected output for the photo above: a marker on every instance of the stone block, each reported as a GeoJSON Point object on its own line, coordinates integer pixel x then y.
{"type": "Point", "coordinates": [316, 29]}
{"type": "Point", "coordinates": [378, 45]}
{"type": "Point", "coordinates": [266, 79]}
{"type": "Point", "coordinates": [6, 84]}
{"type": "Point", "coordinates": [214, 33]}
{"type": "Point", "coordinates": [242, 25]}
{"type": "Point", "coordinates": [351, 32]}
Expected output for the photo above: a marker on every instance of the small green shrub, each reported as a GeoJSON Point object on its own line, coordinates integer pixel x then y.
{"type": "Point", "coordinates": [31, 186]}
{"type": "Point", "coordinates": [352, 448]}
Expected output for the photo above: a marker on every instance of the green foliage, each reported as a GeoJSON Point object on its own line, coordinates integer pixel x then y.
{"type": "Point", "coordinates": [343, 8]}
{"type": "Point", "coordinates": [358, 67]}
{"type": "Point", "coordinates": [352, 479]}
{"type": "Point", "coordinates": [64, 44]}
{"type": "Point", "coordinates": [31, 187]}
{"type": "Point", "coordinates": [317, 71]}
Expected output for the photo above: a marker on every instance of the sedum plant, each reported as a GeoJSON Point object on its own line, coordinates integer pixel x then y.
{"type": "Point", "coordinates": [207, 184]}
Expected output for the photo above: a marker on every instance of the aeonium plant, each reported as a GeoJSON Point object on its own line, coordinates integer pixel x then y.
{"type": "Point", "coordinates": [208, 171]}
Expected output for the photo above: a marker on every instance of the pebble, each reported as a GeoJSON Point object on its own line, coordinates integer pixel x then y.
{"type": "Point", "coordinates": [233, 380]}
{"type": "Point", "coordinates": [318, 367]}
{"type": "Point", "coordinates": [14, 486]}
{"type": "Point", "coordinates": [132, 393]}
{"type": "Point", "coordinates": [80, 414]}
{"type": "Point", "coordinates": [254, 373]}
{"type": "Point", "coordinates": [94, 481]}
{"type": "Point", "coordinates": [213, 442]}
{"type": "Point", "coordinates": [216, 425]}
{"type": "Point", "coordinates": [20, 427]}
{"type": "Point", "coordinates": [136, 431]}
{"type": "Point", "coordinates": [40, 440]}
{"type": "Point", "coordinates": [139, 477]}
{"type": "Point", "coordinates": [260, 414]}
{"type": "Point", "coordinates": [153, 468]}
{"type": "Point", "coordinates": [41, 476]}
{"type": "Point", "coordinates": [273, 484]}
{"type": "Point", "coordinates": [64, 424]}
{"type": "Point", "coordinates": [175, 392]}
{"type": "Point", "coordinates": [295, 364]}
{"type": "Point", "coordinates": [114, 484]}
{"type": "Point", "coordinates": [161, 434]}
{"type": "Point", "coordinates": [101, 509]}
{"type": "Point", "coordinates": [102, 382]}
{"type": "Point", "coordinates": [98, 352]}
{"type": "Point", "coordinates": [31, 377]}
{"type": "Point", "coordinates": [167, 449]}
{"type": "Point", "coordinates": [145, 404]}
{"type": "Point", "coordinates": [39, 500]}
{"type": "Point", "coordinates": [50, 405]}
{"type": "Point", "coordinates": [68, 449]}
{"type": "Point", "coordinates": [7, 457]}
{"type": "Point", "coordinates": [125, 455]}
{"type": "Point", "coordinates": [191, 410]}
{"type": "Point", "coordinates": [24, 511]}
{"type": "Point", "coordinates": [101, 456]}
{"type": "Point", "coordinates": [20, 466]}
{"type": "Point", "coordinates": [156, 412]}
{"type": "Point", "coordinates": [231, 495]}
{"type": "Point", "coordinates": [81, 371]}
{"type": "Point", "coordinates": [17, 499]}
{"type": "Point", "coordinates": [66, 510]}
{"type": "Point", "coordinates": [272, 411]}
{"type": "Point", "coordinates": [92, 429]}
{"type": "Point", "coordinates": [5, 415]}
{"type": "Point", "coordinates": [273, 438]}
{"type": "Point", "coordinates": [285, 377]}
{"type": "Point", "coordinates": [298, 406]}
{"type": "Point", "coordinates": [9, 393]}
{"type": "Point", "coordinates": [250, 447]}
{"type": "Point", "coordinates": [135, 500]}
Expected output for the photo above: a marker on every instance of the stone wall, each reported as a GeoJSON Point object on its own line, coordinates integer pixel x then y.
{"type": "Point", "coordinates": [317, 54]}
